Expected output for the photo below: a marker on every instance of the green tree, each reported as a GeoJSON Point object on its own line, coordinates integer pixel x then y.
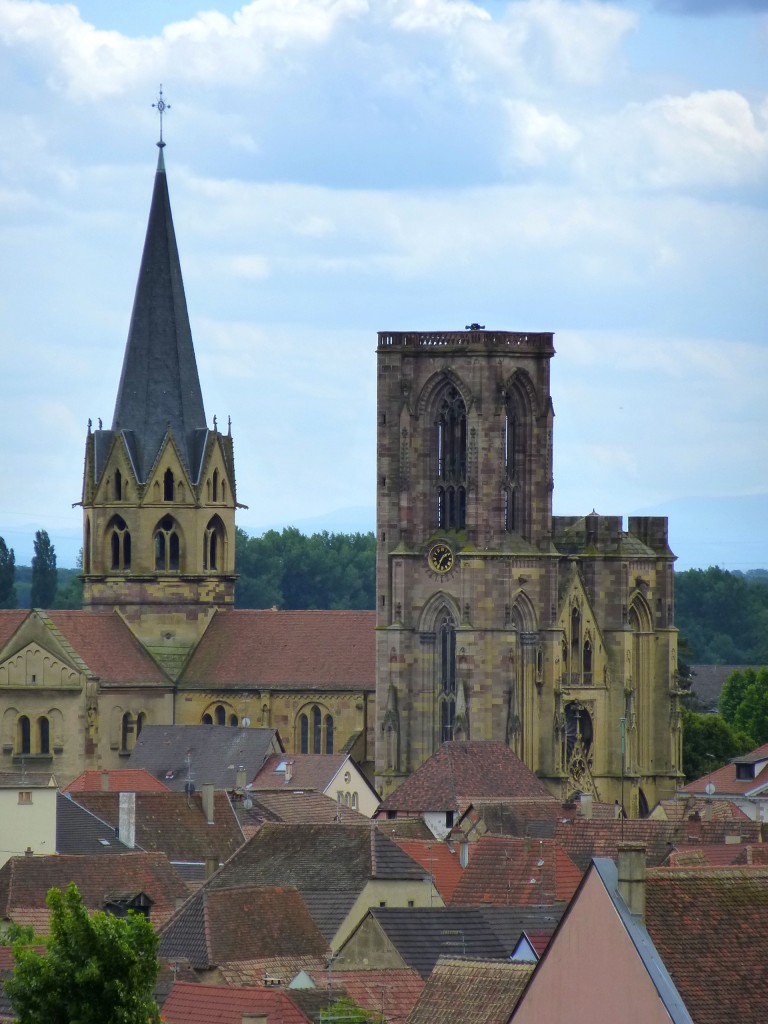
{"type": "Point", "coordinates": [709, 742]}
{"type": "Point", "coordinates": [347, 1011]}
{"type": "Point", "coordinates": [744, 702]}
{"type": "Point", "coordinates": [69, 592]}
{"type": "Point", "coordinates": [724, 615]}
{"type": "Point", "coordinates": [8, 596]}
{"type": "Point", "coordinates": [44, 574]}
{"type": "Point", "coordinates": [96, 968]}
{"type": "Point", "coordinates": [24, 934]}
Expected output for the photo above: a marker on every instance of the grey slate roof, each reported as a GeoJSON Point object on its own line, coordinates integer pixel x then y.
{"type": "Point", "coordinates": [159, 386]}
{"type": "Point", "coordinates": [422, 934]}
{"type": "Point", "coordinates": [78, 831]}
{"type": "Point", "coordinates": [216, 752]}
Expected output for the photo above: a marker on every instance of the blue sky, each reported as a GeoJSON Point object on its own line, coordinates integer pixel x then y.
{"type": "Point", "coordinates": [339, 167]}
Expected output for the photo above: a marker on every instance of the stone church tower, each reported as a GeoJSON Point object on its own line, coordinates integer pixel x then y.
{"type": "Point", "coordinates": [496, 620]}
{"type": "Point", "coordinates": [159, 485]}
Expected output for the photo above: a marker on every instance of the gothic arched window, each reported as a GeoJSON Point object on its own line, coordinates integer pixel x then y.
{"type": "Point", "coordinates": [215, 485]}
{"type": "Point", "coordinates": [317, 729]}
{"type": "Point", "coordinates": [213, 544]}
{"type": "Point", "coordinates": [451, 459]}
{"type": "Point", "coordinates": [575, 646]}
{"type": "Point", "coordinates": [127, 732]}
{"type": "Point", "coordinates": [329, 734]}
{"type": "Point", "coordinates": [515, 451]}
{"type": "Point", "coordinates": [446, 675]}
{"type": "Point", "coordinates": [168, 488]}
{"type": "Point", "coordinates": [578, 732]}
{"type": "Point", "coordinates": [221, 714]}
{"type": "Point", "coordinates": [167, 545]}
{"type": "Point", "coordinates": [119, 544]}
{"type": "Point", "coordinates": [304, 734]}
{"type": "Point", "coordinates": [118, 485]}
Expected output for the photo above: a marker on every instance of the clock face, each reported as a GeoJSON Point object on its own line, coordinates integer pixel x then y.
{"type": "Point", "coordinates": [440, 557]}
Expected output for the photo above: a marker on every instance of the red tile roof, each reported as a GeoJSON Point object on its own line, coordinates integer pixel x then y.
{"type": "Point", "coordinates": [460, 773]}
{"type": "Point", "coordinates": [724, 779]}
{"type": "Point", "coordinates": [173, 823]}
{"type": "Point", "coordinates": [393, 993]}
{"type": "Point", "coordinates": [10, 620]}
{"type": "Point", "coordinates": [217, 1004]}
{"type": "Point", "coordinates": [517, 872]}
{"type": "Point", "coordinates": [25, 881]}
{"type": "Point", "coordinates": [710, 927]}
{"type": "Point", "coordinates": [293, 650]}
{"type": "Point", "coordinates": [108, 648]}
{"type": "Point", "coordinates": [308, 771]}
{"type": "Point", "coordinates": [439, 860]}
{"type": "Point", "coordinates": [119, 780]}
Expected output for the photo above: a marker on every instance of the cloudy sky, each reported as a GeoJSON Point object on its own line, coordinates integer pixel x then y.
{"type": "Point", "coordinates": [339, 167]}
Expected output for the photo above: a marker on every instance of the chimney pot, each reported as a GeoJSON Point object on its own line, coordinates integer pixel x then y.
{"type": "Point", "coordinates": [631, 870]}
{"type": "Point", "coordinates": [208, 802]}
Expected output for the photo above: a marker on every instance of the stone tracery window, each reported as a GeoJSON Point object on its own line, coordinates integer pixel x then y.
{"type": "Point", "coordinates": [516, 442]}
{"type": "Point", "coordinates": [451, 460]}
{"type": "Point", "coordinates": [213, 544]}
{"type": "Point", "coordinates": [446, 676]}
{"type": "Point", "coordinates": [119, 538]}
{"type": "Point", "coordinates": [167, 545]}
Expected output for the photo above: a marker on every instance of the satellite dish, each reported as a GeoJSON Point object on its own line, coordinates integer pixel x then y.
{"type": "Point", "coordinates": [246, 722]}
{"type": "Point", "coordinates": [247, 803]}
{"type": "Point", "coordinates": [709, 789]}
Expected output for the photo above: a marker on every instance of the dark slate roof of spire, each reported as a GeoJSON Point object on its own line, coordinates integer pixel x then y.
{"type": "Point", "coordinates": [159, 386]}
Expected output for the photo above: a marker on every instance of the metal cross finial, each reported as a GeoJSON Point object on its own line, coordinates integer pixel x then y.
{"type": "Point", "coordinates": [161, 106]}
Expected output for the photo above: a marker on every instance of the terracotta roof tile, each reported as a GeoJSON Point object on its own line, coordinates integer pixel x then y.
{"type": "Point", "coordinates": [724, 779]}
{"type": "Point", "coordinates": [225, 925]}
{"type": "Point", "coordinates": [471, 991]}
{"type": "Point", "coordinates": [392, 993]}
{"type": "Point", "coordinates": [294, 808]}
{"type": "Point", "coordinates": [10, 620]}
{"type": "Point", "coordinates": [438, 859]}
{"type": "Point", "coordinates": [25, 881]}
{"type": "Point", "coordinates": [173, 823]}
{"type": "Point", "coordinates": [510, 872]}
{"type": "Point", "coordinates": [680, 808]}
{"type": "Point", "coordinates": [584, 839]}
{"type": "Point", "coordinates": [108, 648]}
{"type": "Point", "coordinates": [461, 773]}
{"type": "Point", "coordinates": [120, 780]}
{"type": "Point", "coordinates": [206, 1004]}
{"type": "Point", "coordinates": [283, 969]}
{"type": "Point", "coordinates": [297, 649]}
{"type": "Point", "coordinates": [308, 771]}
{"type": "Point", "coordinates": [711, 929]}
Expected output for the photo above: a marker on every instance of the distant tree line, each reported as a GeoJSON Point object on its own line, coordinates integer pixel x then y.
{"type": "Point", "coordinates": [723, 615]}
{"type": "Point", "coordinates": [291, 571]}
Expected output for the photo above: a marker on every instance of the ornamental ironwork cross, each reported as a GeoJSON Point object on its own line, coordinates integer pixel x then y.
{"type": "Point", "coordinates": [161, 106]}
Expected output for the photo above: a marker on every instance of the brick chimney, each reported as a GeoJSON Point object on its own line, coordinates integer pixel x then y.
{"type": "Point", "coordinates": [105, 782]}
{"type": "Point", "coordinates": [585, 805]}
{"type": "Point", "coordinates": [211, 866]}
{"type": "Point", "coordinates": [240, 778]}
{"type": "Point", "coordinates": [126, 830]}
{"type": "Point", "coordinates": [631, 866]}
{"type": "Point", "coordinates": [208, 802]}
{"type": "Point", "coordinates": [288, 771]}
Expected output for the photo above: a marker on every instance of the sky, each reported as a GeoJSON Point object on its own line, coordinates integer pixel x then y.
{"type": "Point", "coordinates": [341, 167]}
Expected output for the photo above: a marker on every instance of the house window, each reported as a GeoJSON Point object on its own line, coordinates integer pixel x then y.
{"type": "Point", "coordinates": [25, 796]}
{"type": "Point", "coordinates": [745, 772]}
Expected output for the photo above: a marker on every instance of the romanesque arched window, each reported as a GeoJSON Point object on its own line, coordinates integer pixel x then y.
{"type": "Point", "coordinates": [233, 720]}
{"type": "Point", "coordinates": [141, 721]}
{"type": "Point", "coordinates": [23, 735]}
{"type": "Point", "coordinates": [304, 734]}
{"type": "Point", "coordinates": [119, 539]}
{"type": "Point", "coordinates": [317, 730]}
{"type": "Point", "coordinates": [451, 459]}
{"type": "Point", "coordinates": [43, 735]}
{"type": "Point", "coordinates": [220, 714]}
{"type": "Point", "coordinates": [167, 545]}
{"type": "Point", "coordinates": [207, 719]}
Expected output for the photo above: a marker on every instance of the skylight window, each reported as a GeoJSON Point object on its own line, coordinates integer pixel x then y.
{"type": "Point", "coordinates": [280, 767]}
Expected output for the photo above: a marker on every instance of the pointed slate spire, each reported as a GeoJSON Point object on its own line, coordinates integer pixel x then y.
{"type": "Point", "coordinates": [159, 385]}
